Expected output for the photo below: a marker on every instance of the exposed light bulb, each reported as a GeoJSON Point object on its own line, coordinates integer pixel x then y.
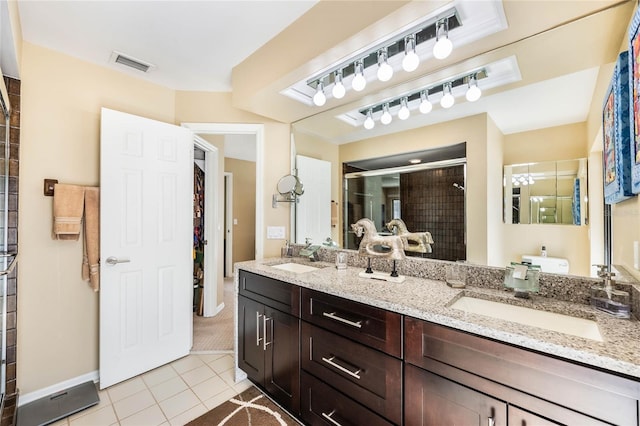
{"type": "Point", "coordinates": [425, 104]}
{"type": "Point", "coordinates": [386, 117]}
{"type": "Point", "coordinates": [359, 82]}
{"type": "Point", "coordinates": [447, 100]}
{"type": "Point", "coordinates": [411, 60]}
{"type": "Point", "coordinates": [338, 90]}
{"type": "Point", "coordinates": [404, 112]}
{"type": "Point", "coordinates": [319, 98]}
{"type": "Point", "coordinates": [443, 46]}
{"type": "Point", "coordinates": [385, 71]}
{"type": "Point", "coordinates": [368, 122]}
{"type": "Point", "coordinates": [473, 92]}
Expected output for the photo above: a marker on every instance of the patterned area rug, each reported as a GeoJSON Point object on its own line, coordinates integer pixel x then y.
{"type": "Point", "coordinates": [250, 407]}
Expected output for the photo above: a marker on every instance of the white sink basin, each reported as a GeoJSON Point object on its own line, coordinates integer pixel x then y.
{"type": "Point", "coordinates": [295, 267]}
{"type": "Point", "coordinates": [580, 327]}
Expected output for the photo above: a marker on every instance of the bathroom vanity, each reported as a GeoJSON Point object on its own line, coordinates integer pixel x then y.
{"type": "Point", "coordinates": [336, 349]}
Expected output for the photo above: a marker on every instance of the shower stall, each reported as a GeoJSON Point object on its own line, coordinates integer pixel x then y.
{"type": "Point", "coordinates": [8, 259]}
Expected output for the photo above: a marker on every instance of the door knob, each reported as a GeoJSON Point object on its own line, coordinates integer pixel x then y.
{"type": "Point", "coordinates": [112, 260]}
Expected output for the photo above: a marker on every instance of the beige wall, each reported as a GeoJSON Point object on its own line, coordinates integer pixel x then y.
{"type": "Point", "coordinates": [199, 107]}
{"type": "Point", "coordinates": [473, 131]}
{"type": "Point", "coordinates": [244, 207]}
{"type": "Point", "coordinates": [570, 242]}
{"type": "Point", "coordinates": [61, 101]}
{"type": "Point", "coordinates": [313, 147]}
{"type": "Point", "coordinates": [60, 111]}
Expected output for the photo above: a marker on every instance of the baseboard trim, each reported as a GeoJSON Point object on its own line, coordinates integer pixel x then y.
{"type": "Point", "coordinates": [26, 398]}
{"type": "Point", "coordinates": [219, 309]}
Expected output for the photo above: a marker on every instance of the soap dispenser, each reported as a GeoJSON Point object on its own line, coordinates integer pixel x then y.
{"type": "Point", "coordinates": [605, 298]}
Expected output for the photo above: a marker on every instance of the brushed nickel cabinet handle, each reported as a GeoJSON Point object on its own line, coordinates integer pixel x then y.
{"type": "Point", "coordinates": [332, 363]}
{"type": "Point", "coordinates": [491, 422]}
{"type": "Point", "coordinates": [258, 338]}
{"type": "Point", "coordinates": [328, 417]}
{"type": "Point", "coordinates": [335, 317]}
{"type": "Point", "coordinates": [264, 332]}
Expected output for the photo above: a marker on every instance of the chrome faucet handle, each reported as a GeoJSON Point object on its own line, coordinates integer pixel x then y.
{"type": "Point", "coordinates": [602, 269]}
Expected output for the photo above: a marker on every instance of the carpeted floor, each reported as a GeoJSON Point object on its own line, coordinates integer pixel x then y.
{"type": "Point", "coordinates": [250, 407]}
{"type": "Point", "coordinates": [216, 333]}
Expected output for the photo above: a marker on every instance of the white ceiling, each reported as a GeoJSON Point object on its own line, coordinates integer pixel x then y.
{"type": "Point", "coordinates": [193, 44]}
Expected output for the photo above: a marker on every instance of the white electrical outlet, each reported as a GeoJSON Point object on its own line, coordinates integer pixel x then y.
{"type": "Point", "coordinates": [275, 233]}
{"type": "Point", "coordinates": [636, 255]}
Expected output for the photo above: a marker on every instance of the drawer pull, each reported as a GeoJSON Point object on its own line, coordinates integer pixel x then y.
{"type": "Point", "coordinates": [332, 363]}
{"type": "Point", "coordinates": [333, 316]}
{"type": "Point", "coordinates": [328, 417]}
{"type": "Point", "coordinates": [491, 422]}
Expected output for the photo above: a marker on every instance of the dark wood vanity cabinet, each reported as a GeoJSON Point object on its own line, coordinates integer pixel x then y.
{"type": "Point", "coordinates": [486, 380]}
{"type": "Point", "coordinates": [350, 356]}
{"type": "Point", "coordinates": [269, 336]}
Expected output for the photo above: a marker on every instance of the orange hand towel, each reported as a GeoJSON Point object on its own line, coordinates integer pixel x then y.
{"type": "Point", "coordinates": [91, 259]}
{"type": "Point", "coordinates": [68, 206]}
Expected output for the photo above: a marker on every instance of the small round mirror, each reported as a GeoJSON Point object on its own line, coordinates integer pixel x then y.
{"type": "Point", "coordinates": [290, 184]}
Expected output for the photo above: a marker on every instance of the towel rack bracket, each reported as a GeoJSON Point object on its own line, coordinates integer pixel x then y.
{"type": "Point", "coordinates": [48, 187]}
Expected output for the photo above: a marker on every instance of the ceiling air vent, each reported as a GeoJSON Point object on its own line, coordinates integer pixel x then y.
{"type": "Point", "coordinates": [130, 62]}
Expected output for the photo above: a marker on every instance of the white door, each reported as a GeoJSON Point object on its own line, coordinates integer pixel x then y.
{"type": "Point", "coordinates": [146, 230]}
{"type": "Point", "coordinates": [313, 211]}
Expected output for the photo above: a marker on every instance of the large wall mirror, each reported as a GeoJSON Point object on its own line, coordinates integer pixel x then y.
{"type": "Point", "coordinates": [549, 192]}
{"type": "Point", "coordinates": [565, 68]}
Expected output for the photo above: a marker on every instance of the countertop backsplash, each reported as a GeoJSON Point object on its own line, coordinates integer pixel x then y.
{"type": "Point", "coordinates": [567, 288]}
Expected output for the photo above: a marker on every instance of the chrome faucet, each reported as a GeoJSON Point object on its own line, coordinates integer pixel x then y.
{"type": "Point", "coordinates": [310, 251]}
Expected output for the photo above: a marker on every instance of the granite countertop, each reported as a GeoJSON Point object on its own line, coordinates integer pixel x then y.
{"type": "Point", "coordinates": [430, 300]}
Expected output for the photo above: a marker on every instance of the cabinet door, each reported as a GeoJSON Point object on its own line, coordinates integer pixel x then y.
{"type": "Point", "coordinates": [553, 417]}
{"type": "Point", "coordinates": [433, 400]}
{"type": "Point", "coordinates": [282, 358]}
{"type": "Point", "coordinates": [250, 344]}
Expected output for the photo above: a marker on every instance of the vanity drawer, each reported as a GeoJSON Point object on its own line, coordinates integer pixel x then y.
{"type": "Point", "coordinates": [366, 324]}
{"type": "Point", "coordinates": [370, 377]}
{"type": "Point", "coordinates": [604, 396]}
{"type": "Point", "coordinates": [274, 293]}
{"type": "Point", "coordinates": [323, 405]}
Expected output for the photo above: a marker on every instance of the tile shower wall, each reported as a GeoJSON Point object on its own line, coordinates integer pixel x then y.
{"type": "Point", "coordinates": [13, 87]}
{"type": "Point", "coordinates": [431, 202]}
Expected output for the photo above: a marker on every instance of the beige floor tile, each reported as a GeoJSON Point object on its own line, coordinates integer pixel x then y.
{"type": "Point", "coordinates": [187, 363]}
{"type": "Point", "coordinates": [242, 386]}
{"type": "Point", "coordinates": [159, 375]}
{"type": "Point", "coordinates": [212, 403]}
{"type": "Point", "coordinates": [169, 388]}
{"type": "Point", "coordinates": [125, 389]}
{"type": "Point", "coordinates": [103, 417]}
{"type": "Point", "coordinates": [198, 375]}
{"type": "Point", "coordinates": [207, 358]}
{"type": "Point", "coordinates": [209, 388]}
{"type": "Point", "coordinates": [150, 416]}
{"type": "Point", "coordinates": [179, 403]}
{"type": "Point", "coordinates": [188, 415]}
{"type": "Point", "coordinates": [134, 403]}
{"type": "Point", "coordinates": [228, 376]}
{"type": "Point", "coordinates": [222, 364]}
{"type": "Point", "coordinates": [63, 422]}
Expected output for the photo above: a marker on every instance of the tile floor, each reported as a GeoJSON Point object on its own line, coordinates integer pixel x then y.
{"type": "Point", "coordinates": [173, 394]}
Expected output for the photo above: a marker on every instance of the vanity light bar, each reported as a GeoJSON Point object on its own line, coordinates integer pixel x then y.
{"type": "Point", "coordinates": [394, 46]}
{"type": "Point", "coordinates": [429, 91]}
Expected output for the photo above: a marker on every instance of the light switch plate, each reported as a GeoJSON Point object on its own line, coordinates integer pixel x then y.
{"type": "Point", "coordinates": [275, 233]}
